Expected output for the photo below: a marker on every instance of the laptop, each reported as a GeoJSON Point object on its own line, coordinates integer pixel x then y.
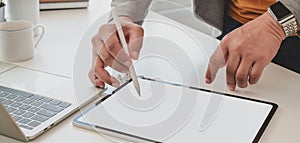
{"type": "Point", "coordinates": [63, 4]}
{"type": "Point", "coordinates": [25, 115]}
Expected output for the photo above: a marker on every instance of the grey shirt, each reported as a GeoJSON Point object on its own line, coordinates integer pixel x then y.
{"type": "Point", "coordinates": [211, 11]}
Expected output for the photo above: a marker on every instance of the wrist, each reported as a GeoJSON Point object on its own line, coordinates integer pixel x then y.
{"type": "Point", "coordinates": [277, 28]}
{"type": "Point", "coordinates": [123, 19]}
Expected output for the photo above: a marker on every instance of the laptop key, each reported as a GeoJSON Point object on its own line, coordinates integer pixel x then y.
{"type": "Point", "coordinates": [24, 107]}
{"type": "Point", "coordinates": [20, 99]}
{"type": "Point", "coordinates": [34, 109]}
{"type": "Point", "coordinates": [34, 124]}
{"type": "Point", "coordinates": [64, 104]}
{"type": "Point", "coordinates": [11, 109]}
{"type": "Point", "coordinates": [52, 108]}
{"type": "Point", "coordinates": [36, 97]}
{"type": "Point", "coordinates": [19, 112]}
{"type": "Point", "coordinates": [24, 121]}
{"type": "Point", "coordinates": [37, 103]}
{"type": "Point", "coordinates": [7, 102]}
{"type": "Point", "coordinates": [28, 101]}
{"type": "Point", "coordinates": [28, 115]}
{"type": "Point", "coordinates": [20, 93]}
{"type": "Point", "coordinates": [11, 97]}
{"type": "Point", "coordinates": [46, 113]}
{"type": "Point", "coordinates": [40, 118]}
{"type": "Point", "coordinates": [4, 94]}
{"type": "Point", "coordinates": [2, 99]}
{"type": "Point", "coordinates": [16, 104]}
{"type": "Point", "coordinates": [55, 102]}
{"type": "Point", "coordinates": [17, 118]}
{"type": "Point", "coordinates": [46, 100]}
{"type": "Point", "coordinates": [26, 127]}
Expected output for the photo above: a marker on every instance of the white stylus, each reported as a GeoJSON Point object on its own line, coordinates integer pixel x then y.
{"type": "Point", "coordinates": [125, 47]}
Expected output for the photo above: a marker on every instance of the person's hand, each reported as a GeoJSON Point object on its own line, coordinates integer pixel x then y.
{"type": "Point", "coordinates": [108, 51]}
{"type": "Point", "coordinates": [246, 51]}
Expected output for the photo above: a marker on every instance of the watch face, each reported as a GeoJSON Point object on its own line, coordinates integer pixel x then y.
{"type": "Point", "coordinates": [280, 11]}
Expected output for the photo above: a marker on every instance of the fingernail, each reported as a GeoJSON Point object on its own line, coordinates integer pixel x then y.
{"type": "Point", "coordinates": [115, 83]}
{"type": "Point", "coordinates": [135, 55]}
{"type": "Point", "coordinates": [231, 88]}
{"type": "Point", "coordinates": [100, 86]}
{"type": "Point", "coordinates": [207, 80]}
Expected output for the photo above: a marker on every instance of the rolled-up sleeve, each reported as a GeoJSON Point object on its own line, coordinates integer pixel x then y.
{"type": "Point", "coordinates": [134, 9]}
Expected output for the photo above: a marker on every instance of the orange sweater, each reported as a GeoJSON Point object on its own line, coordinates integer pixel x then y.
{"type": "Point", "coordinates": [246, 10]}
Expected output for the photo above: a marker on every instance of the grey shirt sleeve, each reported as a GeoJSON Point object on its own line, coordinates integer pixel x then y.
{"type": "Point", "coordinates": [134, 9]}
{"type": "Point", "coordinates": [294, 6]}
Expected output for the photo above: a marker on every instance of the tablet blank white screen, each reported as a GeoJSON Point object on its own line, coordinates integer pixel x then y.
{"type": "Point", "coordinates": [168, 113]}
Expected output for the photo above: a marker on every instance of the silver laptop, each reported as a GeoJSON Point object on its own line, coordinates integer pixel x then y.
{"type": "Point", "coordinates": [24, 115]}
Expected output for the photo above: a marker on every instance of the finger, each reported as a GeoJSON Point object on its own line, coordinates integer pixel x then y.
{"type": "Point", "coordinates": [104, 75]}
{"type": "Point", "coordinates": [92, 76]}
{"type": "Point", "coordinates": [109, 60]}
{"type": "Point", "coordinates": [97, 44]}
{"type": "Point", "coordinates": [94, 79]}
{"type": "Point", "coordinates": [256, 73]}
{"type": "Point", "coordinates": [99, 83]}
{"type": "Point", "coordinates": [114, 47]}
{"type": "Point", "coordinates": [217, 61]}
{"type": "Point", "coordinates": [232, 66]}
{"type": "Point", "coordinates": [242, 73]}
{"type": "Point", "coordinates": [135, 36]}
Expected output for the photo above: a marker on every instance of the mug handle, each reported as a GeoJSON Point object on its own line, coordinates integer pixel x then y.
{"type": "Point", "coordinates": [39, 26]}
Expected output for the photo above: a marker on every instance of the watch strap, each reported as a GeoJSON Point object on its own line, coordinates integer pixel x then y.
{"type": "Point", "coordinates": [290, 27]}
{"type": "Point", "coordinates": [284, 17]}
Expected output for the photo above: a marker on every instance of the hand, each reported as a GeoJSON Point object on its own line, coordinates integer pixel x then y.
{"type": "Point", "coordinates": [108, 51]}
{"type": "Point", "coordinates": [246, 51]}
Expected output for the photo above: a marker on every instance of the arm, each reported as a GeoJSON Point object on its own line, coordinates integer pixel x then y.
{"type": "Point", "coordinates": [107, 50]}
{"type": "Point", "coordinates": [134, 9]}
{"type": "Point", "coordinates": [246, 51]}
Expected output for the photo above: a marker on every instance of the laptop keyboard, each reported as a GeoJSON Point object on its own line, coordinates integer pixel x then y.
{"type": "Point", "coordinates": [30, 110]}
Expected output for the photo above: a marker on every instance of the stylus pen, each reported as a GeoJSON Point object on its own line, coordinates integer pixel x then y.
{"type": "Point", "coordinates": [125, 47]}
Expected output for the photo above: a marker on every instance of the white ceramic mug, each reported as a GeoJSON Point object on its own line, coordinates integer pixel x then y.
{"type": "Point", "coordinates": [17, 41]}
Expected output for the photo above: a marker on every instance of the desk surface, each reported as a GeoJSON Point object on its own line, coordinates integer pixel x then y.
{"type": "Point", "coordinates": [56, 55]}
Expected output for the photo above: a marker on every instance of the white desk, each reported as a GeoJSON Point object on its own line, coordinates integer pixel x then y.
{"type": "Point", "coordinates": [57, 51]}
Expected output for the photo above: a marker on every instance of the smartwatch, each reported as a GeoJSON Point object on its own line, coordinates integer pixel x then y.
{"type": "Point", "coordinates": [284, 17]}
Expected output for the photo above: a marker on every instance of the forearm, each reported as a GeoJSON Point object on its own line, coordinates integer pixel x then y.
{"type": "Point", "coordinates": [133, 9]}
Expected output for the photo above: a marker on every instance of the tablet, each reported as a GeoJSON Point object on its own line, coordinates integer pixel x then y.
{"type": "Point", "coordinates": [173, 113]}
